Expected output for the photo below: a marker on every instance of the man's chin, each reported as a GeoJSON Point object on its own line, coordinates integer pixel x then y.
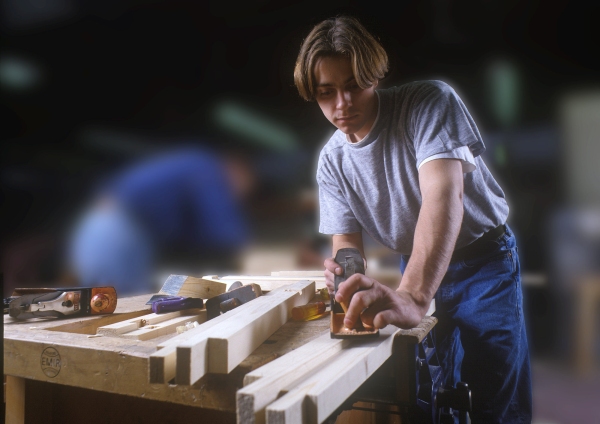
{"type": "Point", "coordinates": [346, 129]}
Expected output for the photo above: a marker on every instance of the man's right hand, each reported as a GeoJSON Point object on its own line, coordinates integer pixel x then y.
{"type": "Point", "coordinates": [339, 241]}
{"type": "Point", "coordinates": [332, 268]}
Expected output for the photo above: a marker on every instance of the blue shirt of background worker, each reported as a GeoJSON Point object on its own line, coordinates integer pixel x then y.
{"type": "Point", "coordinates": [184, 202]}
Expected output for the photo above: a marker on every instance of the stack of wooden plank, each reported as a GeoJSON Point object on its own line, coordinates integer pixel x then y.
{"type": "Point", "coordinates": [219, 345]}
{"type": "Point", "coordinates": [308, 384]}
{"type": "Point", "coordinates": [152, 326]}
{"type": "Point", "coordinates": [305, 385]}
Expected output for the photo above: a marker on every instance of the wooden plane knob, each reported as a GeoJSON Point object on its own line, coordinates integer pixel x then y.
{"type": "Point", "coordinates": [99, 302]}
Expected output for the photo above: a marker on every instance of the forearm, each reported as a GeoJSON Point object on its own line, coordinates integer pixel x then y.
{"type": "Point", "coordinates": [436, 232]}
{"type": "Point", "coordinates": [438, 225]}
{"type": "Point", "coordinates": [352, 240]}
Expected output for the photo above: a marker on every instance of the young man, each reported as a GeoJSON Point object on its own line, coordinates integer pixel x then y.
{"type": "Point", "coordinates": [405, 167]}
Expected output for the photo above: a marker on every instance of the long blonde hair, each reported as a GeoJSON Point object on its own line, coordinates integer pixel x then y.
{"type": "Point", "coordinates": [346, 36]}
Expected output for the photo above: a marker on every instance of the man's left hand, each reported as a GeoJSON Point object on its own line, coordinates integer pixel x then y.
{"type": "Point", "coordinates": [377, 305]}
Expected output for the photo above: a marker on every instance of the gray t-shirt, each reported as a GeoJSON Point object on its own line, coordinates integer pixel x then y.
{"type": "Point", "coordinates": [373, 185]}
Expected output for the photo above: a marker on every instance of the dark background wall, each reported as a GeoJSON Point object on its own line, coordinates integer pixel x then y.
{"type": "Point", "coordinates": [89, 86]}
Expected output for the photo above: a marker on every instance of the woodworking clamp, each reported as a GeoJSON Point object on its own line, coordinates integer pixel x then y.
{"type": "Point", "coordinates": [436, 403]}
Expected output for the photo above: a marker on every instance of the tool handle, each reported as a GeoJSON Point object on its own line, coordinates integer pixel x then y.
{"type": "Point", "coordinates": [351, 262]}
{"type": "Point", "coordinates": [178, 303]}
{"type": "Point", "coordinates": [308, 311]}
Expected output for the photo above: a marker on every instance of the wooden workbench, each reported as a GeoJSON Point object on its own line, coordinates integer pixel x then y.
{"type": "Point", "coordinates": [60, 371]}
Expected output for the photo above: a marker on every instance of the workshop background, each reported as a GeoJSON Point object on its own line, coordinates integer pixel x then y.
{"type": "Point", "coordinates": [91, 88]}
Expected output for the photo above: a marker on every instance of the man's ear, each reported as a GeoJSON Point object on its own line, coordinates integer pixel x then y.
{"type": "Point", "coordinates": [375, 83]}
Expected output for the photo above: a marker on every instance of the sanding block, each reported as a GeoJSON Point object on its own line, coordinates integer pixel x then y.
{"type": "Point", "coordinates": [351, 262]}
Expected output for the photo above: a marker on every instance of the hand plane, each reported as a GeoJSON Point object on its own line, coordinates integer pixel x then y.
{"type": "Point", "coordinates": [26, 303]}
{"type": "Point", "coordinates": [351, 262]}
{"type": "Point", "coordinates": [237, 295]}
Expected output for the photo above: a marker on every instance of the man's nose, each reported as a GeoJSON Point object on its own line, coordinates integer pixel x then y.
{"type": "Point", "coordinates": [344, 99]}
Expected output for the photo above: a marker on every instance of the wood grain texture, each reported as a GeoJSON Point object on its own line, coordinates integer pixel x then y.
{"type": "Point", "coordinates": [316, 274]}
{"type": "Point", "coordinates": [232, 345]}
{"type": "Point", "coordinates": [107, 364]}
{"type": "Point", "coordinates": [54, 403]}
{"type": "Point", "coordinates": [152, 331]}
{"type": "Point", "coordinates": [388, 414]}
{"type": "Point", "coordinates": [319, 394]}
{"type": "Point", "coordinates": [269, 283]}
{"type": "Point", "coordinates": [127, 327]}
{"type": "Point", "coordinates": [189, 353]}
{"type": "Point", "coordinates": [225, 345]}
{"type": "Point", "coordinates": [15, 400]}
{"type": "Point", "coordinates": [301, 357]}
{"type": "Point", "coordinates": [266, 384]}
{"type": "Point", "coordinates": [120, 366]}
{"type": "Point", "coordinates": [209, 286]}
{"type": "Point", "coordinates": [418, 333]}
{"type": "Point", "coordinates": [162, 363]}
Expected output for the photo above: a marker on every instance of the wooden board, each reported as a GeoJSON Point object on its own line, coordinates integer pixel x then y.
{"type": "Point", "coordinates": [209, 286]}
{"type": "Point", "coordinates": [298, 371]}
{"type": "Point", "coordinates": [246, 332]}
{"type": "Point", "coordinates": [318, 274]}
{"type": "Point", "coordinates": [166, 327]}
{"type": "Point", "coordinates": [222, 343]}
{"type": "Point", "coordinates": [152, 325]}
{"type": "Point", "coordinates": [263, 386]}
{"type": "Point", "coordinates": [162, 364]}
{"type": "Point", "coordinates": [269, 283]}
{"type": "Point", "coordinates": [316, 397]}
{"type": "Point", "coordinates": [224, 346]}
{"type": "Point", "coordinates": [194, 286]}
{"type": "Point", "coordinates": [269, 380]}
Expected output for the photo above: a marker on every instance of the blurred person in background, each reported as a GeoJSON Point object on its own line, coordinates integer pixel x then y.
{"type": "Point", "coordinates": [176, 211]}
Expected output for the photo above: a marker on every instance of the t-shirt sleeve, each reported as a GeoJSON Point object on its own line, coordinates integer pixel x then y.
{"type": "Point", "coordinates": [336, 216]}
{"type": "Point", "coordinates": [463, 154]}
{"type": "Point", "coordinates": [441, 123]}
